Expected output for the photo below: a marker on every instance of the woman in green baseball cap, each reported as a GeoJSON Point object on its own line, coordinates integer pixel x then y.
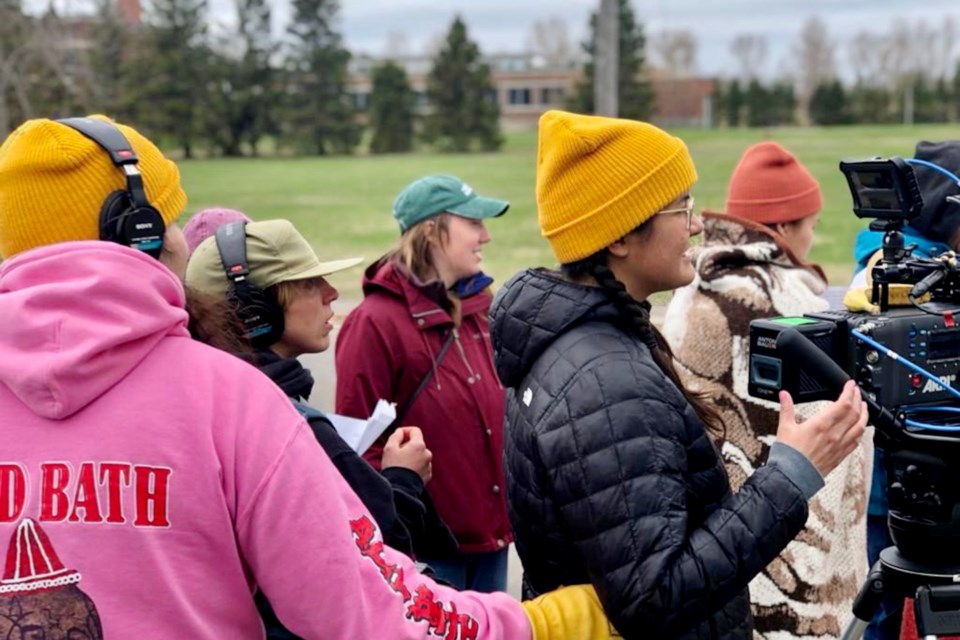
{"type": "Point", "coordinates": [421, 338]}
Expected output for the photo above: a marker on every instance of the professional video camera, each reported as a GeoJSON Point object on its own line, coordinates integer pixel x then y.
{"type": "Point", "coordinates": [906, 361]}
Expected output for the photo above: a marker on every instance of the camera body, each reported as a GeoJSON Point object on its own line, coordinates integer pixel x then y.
{"type": "Point", "coordinates": [922, 463]}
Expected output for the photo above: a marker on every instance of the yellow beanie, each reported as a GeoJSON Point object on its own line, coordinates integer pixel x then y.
{"type": "Point", "coordinates": [600, 178]}
{"type": "Point", "coordinates": [54, 180]}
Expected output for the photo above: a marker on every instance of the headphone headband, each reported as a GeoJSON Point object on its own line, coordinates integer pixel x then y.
{"type": "Point", "coordinates": [257, 310]}
{"type": "Point", "coordinates": [127, 217]}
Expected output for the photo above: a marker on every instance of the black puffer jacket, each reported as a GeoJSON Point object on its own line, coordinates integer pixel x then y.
{"type": "Point", "coordinates": [612, 478]}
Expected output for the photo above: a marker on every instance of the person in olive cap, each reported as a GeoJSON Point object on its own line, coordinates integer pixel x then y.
{"type": "Point", "coordinates": [420, 338]}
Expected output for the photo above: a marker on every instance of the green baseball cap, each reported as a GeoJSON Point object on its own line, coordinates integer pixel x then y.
{"type": "Point", "coordinates": [432, 195]}
{"type": "Point", "coordinates": [276, 252]}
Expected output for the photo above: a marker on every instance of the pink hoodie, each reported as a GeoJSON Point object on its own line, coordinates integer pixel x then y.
{"type": "Point", "coordinates": [148, 483]}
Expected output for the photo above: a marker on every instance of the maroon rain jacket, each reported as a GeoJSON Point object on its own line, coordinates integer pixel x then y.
{"type": "Point", "coordinates": [385, 348]}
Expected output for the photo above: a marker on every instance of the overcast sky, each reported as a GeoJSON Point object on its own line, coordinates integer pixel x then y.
{"type": "Point", "coordinates": [502, 25]}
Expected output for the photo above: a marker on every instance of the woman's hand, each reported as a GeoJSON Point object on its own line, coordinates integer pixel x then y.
{"type": "Point", "coordinates": [405, 448]}
{"type": "Point", "coordinates": [829, 436]}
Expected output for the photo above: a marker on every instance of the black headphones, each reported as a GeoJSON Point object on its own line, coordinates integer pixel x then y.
{"type": "Point", "coordinates": [257, 309]}
{"type": "Point", "coordinates": [126, 216]}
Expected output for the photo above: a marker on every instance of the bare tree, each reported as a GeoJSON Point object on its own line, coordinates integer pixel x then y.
{"type": "Point", "coordinates": [434, 43]}
{"type": "Point", "coordinates": [814, 57]}
{"type": "Point", "coordinates": [750, 51]}
{"type": "Point", "coordinates": [397, 45]}
{"type": "Point", "coordinates": [864, 53]}
{"type": "Point", "coordinates": [550, 39]}
{"type": "Point", "coordinates": [675, 52]}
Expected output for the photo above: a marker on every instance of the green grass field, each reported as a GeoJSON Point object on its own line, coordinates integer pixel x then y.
{"type": "Point", "coordinates": [342, 205]}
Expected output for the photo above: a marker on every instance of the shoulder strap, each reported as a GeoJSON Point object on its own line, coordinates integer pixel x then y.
{"type": "Point", "coordinates": [402, 413]}
{"type": "Point", "coordinates": [307, 411]}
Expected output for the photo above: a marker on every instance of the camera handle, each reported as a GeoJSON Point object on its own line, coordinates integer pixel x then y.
{"type": "Point", "coordinates": [935, 590]}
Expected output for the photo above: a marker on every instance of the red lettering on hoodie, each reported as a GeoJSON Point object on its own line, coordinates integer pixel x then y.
{"type": "Point", "coordinates": [13, 491]}
{"type": "Point", "coordinates": [422, 607]}
{"type": "Point", "coordinates": [86, 496]}
{"type": "Point", "coordinates": [54, 503]}
{"type": "Point", "coordinates": [115, 475]}
{"type": "Point", "coordinates": [152, 496]}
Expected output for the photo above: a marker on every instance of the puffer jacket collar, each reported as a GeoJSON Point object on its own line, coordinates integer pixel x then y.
{"type": "Point", "coordinates": [535, 307]}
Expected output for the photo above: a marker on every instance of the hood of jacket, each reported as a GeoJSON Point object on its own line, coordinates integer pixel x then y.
{"type": "Point", "coordinates": [532, 310]}
{"type": "Point", "coordinates": [287, 373]}
{"type": "Point", "coordinates": [427, 300]}
{"type": "Point", "coordinates": [731, 243]}
{"type": "Point", "coordinates": [78, 317]}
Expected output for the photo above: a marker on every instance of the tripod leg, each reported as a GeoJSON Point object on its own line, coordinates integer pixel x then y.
{"type": "Point", "coordinates": [866, 604]}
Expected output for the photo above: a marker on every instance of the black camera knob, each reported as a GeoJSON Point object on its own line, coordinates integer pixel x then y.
{"type": "Point", "coordinates": [898, 494]}
{"type": "Point", "coordinates": [931, 499]}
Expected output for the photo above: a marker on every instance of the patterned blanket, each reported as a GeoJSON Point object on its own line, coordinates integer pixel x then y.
{"type": "Point", "coordinates": [745, 271]}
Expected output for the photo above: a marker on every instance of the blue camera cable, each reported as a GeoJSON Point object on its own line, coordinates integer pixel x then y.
{"type": "Point", "coordinates": [896, 357]}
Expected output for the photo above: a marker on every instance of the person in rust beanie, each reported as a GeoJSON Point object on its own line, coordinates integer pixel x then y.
{"type": "Point", "coordinates": [751, 266]}
{"type": "Point", "coordinates": [771, 187]}
{"type": "Point", "coordinates": [611, 472]}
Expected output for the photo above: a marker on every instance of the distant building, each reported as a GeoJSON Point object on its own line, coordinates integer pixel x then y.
{"type": "Point", "coordinates": [527, 85]}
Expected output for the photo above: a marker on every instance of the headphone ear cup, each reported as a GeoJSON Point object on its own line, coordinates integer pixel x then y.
{"type": "Point", "coordinates": [138, 228]}
{"type": "Point", "coordinates": [258, 312]}
{"type": "Point", "coordinates": [112, 214]}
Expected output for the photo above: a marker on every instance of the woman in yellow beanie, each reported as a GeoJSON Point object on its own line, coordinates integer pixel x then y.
{"type": "Point", "coordinates": [752, 265]}
{"type": "Point", "coordinates": [612, 472]}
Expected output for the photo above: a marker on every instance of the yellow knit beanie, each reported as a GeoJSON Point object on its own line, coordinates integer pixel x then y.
{"type": "Point", "coordinates": [54, 180]}
{"type": "Point", "coordinates": [600, 178]}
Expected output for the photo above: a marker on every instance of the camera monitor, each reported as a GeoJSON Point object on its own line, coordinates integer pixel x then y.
{"type": "Point", "coordinates": [883, 189]}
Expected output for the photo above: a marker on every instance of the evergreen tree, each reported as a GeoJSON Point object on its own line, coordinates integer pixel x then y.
{"type": "Point", "coordinates": [872, 105]}
{"type": "Point", "coordinates": [461, 95]}
{"type": "Point", "coordinates": [733, 105]}
{"type": "Point", "coordinates": [391, 110]}
{"type": "Point", "coordinates": [241, 94]}
{"type": "Point", "coordinates": [760, 105]}
{"type": "Point", "coordinates": [108, 56]}
{"type": "Point", "coordinates": [634, 95]}
{"type": "Point", "coordinates": [829, 104]}
{"type": "Point", "coordinates": [171, 72]}
{"type": "Point", "coordinates": [14, 43]}
{"type": "Point", "coordinates": [318, 114]}
{"type": "Point", "coordinates": [784, 104]}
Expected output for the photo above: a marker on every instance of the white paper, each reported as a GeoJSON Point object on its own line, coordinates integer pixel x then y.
{"type": "Point", "coordinates": [360, 434]}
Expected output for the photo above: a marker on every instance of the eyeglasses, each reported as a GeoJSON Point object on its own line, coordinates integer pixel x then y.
{"type": "Point", "coordinates": [687, 209]}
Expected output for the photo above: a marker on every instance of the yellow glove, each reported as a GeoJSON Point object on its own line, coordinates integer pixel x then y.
{"type": "Point", "coordinates": [569, 612]}
{"type": "Point", "coordinates": [858, 299]}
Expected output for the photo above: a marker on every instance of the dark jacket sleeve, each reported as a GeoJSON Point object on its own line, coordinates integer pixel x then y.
{"type": "Point", "coordinates": [429, 533]}
{"type": "Point", "coordinates": [621, 478]}
{"type": "Point", "coordinates": [366, 371]}
{"type": "Point", "coordinates": [373, 489]}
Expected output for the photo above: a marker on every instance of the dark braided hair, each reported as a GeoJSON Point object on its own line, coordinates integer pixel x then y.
{"type": "Point", "coordinates": [637, 316]}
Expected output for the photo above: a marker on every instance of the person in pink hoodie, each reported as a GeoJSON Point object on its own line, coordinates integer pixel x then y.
{"type": "Point", "coordinates": [150, 484]}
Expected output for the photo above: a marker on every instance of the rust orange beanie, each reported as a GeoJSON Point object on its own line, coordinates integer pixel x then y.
{"type": "Point", "coordinates": [599, 178]}
{"type": "Point", "coordinates": [54, 180]}
{"type": "Point", "coordinates": [770, 186]}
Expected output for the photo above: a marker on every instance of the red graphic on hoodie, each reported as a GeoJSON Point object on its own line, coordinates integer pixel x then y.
{"type": "Point", "coordinates": [424, 607]}
{"type": "Point", "coordinates": [39, 597]}
{"type": "Point", "coordinates": [365, 533]}
{"type": "Point", "coordinates": [448, 624]}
